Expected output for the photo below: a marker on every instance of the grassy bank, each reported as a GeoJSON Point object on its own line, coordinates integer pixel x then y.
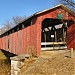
{"type": "Point", "coordinates": [4, 64]}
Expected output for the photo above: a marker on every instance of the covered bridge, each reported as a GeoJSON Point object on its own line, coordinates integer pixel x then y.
{"type": "Point", "coordinates": [52, 28]}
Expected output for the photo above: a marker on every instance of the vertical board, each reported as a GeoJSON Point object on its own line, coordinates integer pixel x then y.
{"type": "Point", "coordinates": [0, 43]}
{"type": "Point", "coordinates": [19, 45]}
{"type": "Point", "coordinates": [10, 43]}
{"type": "Point", "coordinates": [3, 43]}
{"type": "Point", "coordinates": [6, 43]}
{"type": "Point", "coordinates": [70, 37]}
{"type": "Point", "coordinates": [39, 38]}
{"type": "Point", "coordinates": [21, 42]}
{"type": "Point", "coordinates": [15, 43]}
{"type": "Point", "coordinates": [74, 37]}
{"type": "Point", "coordinates": [25, 40]}
{"type": "Point", "coordinates": [28, 40]}
{"type": "Point", "coordinates": [33, 38]}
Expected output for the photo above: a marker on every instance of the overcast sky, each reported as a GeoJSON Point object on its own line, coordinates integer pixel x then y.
{"type": "Point", "coordinates": [10, 8]}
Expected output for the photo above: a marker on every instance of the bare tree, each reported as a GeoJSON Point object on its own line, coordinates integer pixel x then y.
{"type": "Point", "coordinates": [9, 24]}
{"type": "Point", "coordinates": [69, 3]}
{"type": "Point", "coordinates": [17, 19]}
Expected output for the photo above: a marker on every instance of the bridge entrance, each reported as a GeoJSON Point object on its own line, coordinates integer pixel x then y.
{"type": "Point", "coordinates": [54, 34]}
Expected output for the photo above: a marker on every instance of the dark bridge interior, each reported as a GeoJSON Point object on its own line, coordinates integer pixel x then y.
{"type": "Point", "coordinates": [54, 33]}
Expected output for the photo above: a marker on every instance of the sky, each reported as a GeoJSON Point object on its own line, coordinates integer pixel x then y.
{"type": "Point", "coordinates": [10, 8]}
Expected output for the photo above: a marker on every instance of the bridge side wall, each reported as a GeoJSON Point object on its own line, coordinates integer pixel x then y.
{"type": "Point", "coordinates": [28, 39]}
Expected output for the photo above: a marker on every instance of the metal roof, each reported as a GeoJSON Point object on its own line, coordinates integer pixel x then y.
{"type": "Point", "coordinates": [60, 5]}
{"type": "Point", "coordinates": [40, 12]}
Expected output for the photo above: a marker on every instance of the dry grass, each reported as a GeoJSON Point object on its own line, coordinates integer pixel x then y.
{"type": "Point", "coordinates": [4, 65]}
{"type": "Point", "coordinates": [57, 65]}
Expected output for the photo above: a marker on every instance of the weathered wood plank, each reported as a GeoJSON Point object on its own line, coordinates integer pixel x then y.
{"type": "Point", "coordinates": [51, 48]}
{"type": "Point", "coordinates": [51, 43]}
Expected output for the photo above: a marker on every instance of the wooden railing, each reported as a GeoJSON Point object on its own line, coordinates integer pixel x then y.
{"type": "Point", "coordinates": [60, 45]}
{"type": "Point", "coordinates": [51, 43]}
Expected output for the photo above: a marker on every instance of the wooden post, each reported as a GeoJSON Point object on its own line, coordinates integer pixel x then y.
{"type": "Point", "coordinates": [7, 42]}
{"type": "Point", "coordinates": [71, 53]}
{"type": "Point", "coordinates": [55, 36]}
{"type": "Point", "coordinates": [12, 42]}
{"type": "Point", "coordinates": [23, 26]}
{"type": "Point", "coordinates": [31, 22]}
{"type": "Point", "coordinates": [13, 31]}
{"type": "Point", "coordinates": [45, 37]}
{"type": "Point", "coordinates": [63, 36]}
{"type": "Point", "coordinates": [18, 41]}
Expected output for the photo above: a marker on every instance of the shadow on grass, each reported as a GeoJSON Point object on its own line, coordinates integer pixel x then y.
{"type": "Point", "coordinates": [8, 54]}
{"type": "Point", "coordinates": [68, 56]}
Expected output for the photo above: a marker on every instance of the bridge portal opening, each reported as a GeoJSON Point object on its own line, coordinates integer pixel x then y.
{"type": "Point", "coordinates": [54, 34]}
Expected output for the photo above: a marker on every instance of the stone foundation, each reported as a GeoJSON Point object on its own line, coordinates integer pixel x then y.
{"type": "Point", "coordinates": [17, 63]}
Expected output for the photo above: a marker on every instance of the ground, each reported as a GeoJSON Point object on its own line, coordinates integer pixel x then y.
{"type": "Point", "coordinates": [50, 63]}
{"type": "Point", "coordinates": [4, 64]}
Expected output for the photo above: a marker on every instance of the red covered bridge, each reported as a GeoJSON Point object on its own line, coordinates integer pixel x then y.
{"type": "Point", "coordinates": [52, 28]}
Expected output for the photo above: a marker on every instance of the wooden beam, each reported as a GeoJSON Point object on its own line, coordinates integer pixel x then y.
{"type": "Point", "coordinates": [13, 31]}
{"type": "Point", "coordinates": [18, 41]}
{"type": "Point", "coordinates": [55, 36]}
{"type": "Point", "coordinates": [51, 48]}
{"type": "Point", "coordinates": [63, 35]}
{"type": "Point", "coordinates": [45, 37]}
{"type": "Point", "coordinates": [31, 23]}
{"type": "Point", "coordinates": [23, 26]}
{"type": "Point", "coordinates": [18, 29]}
{"type": "Point", "coordinates": [51, 43]}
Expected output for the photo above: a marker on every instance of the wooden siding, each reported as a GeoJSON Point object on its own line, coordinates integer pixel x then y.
{"type": "Point", "coordinates": [28, 39]}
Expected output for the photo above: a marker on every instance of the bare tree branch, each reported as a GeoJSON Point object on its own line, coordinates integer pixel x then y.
{"type": "Point", "coordinates": [9, 24]}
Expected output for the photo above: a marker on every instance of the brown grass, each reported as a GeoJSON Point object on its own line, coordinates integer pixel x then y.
{"type": "Point", "coordinates": [57, 65]}
{"type": "Point", "coordinates": [4, 65]}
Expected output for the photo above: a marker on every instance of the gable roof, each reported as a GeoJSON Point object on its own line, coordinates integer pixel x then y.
{"type": "Point", "coordinates": [60, 5]}
{"type": "Point", "coordinates": [38, 13]}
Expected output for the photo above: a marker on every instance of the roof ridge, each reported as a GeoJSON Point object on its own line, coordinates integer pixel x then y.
{"type": "Point", "coordinates": [62, 5]}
